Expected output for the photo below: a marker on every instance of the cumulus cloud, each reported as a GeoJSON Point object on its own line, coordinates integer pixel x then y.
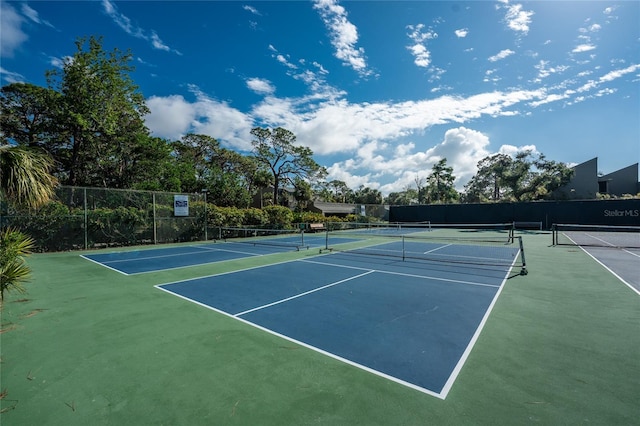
{"type": "Point", "coordinates": [422, 56]}
{"type": "Point", "coordinates": [516, 18]}
{"type": "Point", "coordinates": [462, 32]}
{"type": "Point", "coordinates": [379, 138]}
{"type": "Point", "coordinates": [260, 86]}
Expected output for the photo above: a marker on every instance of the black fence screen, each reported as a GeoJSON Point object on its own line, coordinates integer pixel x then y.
{"type": "Point", "coordinates": [591, 212]}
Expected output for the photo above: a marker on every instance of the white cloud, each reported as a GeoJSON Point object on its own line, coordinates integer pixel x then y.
{"type": "Point", "coordinates": [380, 138]}
{"type": "Point", "coordinates": [501, 55]}
{"type": "Point", "coordinates": [344, 35]}
{"type": "Point", "coordinates": [251, 9]}
{"type": "Point", "coordinates": [33, 15]}
{"type": "Point", "coordinates": [422, 56]}
{"type": "Point", "coordinates": [11, 77]}
{"type": "Point", "coordinates": [171, 116]}
{"type": "Point", "coordinates": [517, 19]}
{"type": "Point", "coordinates": [12, 34]}
{"type": "Point", "coordinates": [125, 23]}
{"type": "Point", "coordinates": [583, 48]}
{"type": "Point", "coordinates": [260, 86]}
{"type": "Point", "coordinates": [462, 33]}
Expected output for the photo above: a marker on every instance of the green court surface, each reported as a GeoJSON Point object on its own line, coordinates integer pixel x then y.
{"type": "Point", "coordinates": [89, 346]}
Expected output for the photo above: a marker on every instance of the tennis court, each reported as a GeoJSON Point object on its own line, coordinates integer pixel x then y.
{"type": "Point", "coordinates": [616, 248]}
{"type": "Point", "coordinates": [376, 307]}
{"type": "Point", "coordinates": [131, 262]}
{"type": "Point", "coordinates": [435, 327]}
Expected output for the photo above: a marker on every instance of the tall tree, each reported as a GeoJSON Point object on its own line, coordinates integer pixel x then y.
{"type": "Point", "coordinates": [489, 182]}
{"type": "Point", "coordinates": [524, 177]}
{"type": "Point", "coordinates": [440, 183]}
{"type": "Point", "coordinates": [100, 113]}
{"type": "Point", "coordinates": [366, 195]}
{"type": "Point", "coordinates": [26, 114]}
{"type": "Point", "coordinates": [533, 177]}
{"type": "Point", "coordinates": [276, 151]}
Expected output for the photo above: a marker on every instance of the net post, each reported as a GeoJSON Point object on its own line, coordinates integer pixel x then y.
{"type": "Point", "coordinates": [403, 255]}
{"type": "Point", "coordinates": [326, 239]}
{"type": "Point", "coordinates": [554, 235]}
{"type": "Point", "coordinates": [523, 271]}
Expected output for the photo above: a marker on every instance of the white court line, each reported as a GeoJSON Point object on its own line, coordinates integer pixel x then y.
{"type": "Point", "coordinates": [313, 348]}
{"type": "Point", "coordinates": [603, 265]}
{"type": "Point", "coordinates": [452, 377]}
{"type": "Point", "coordinates": [463, 359]}
{"type": "Point", "coordinates": [173, 255]}
{"type": "Point", "coordinates": [631, 253]}
{"type": "Point", "coordinates": [102, 264]}
{"type": "Point", "coordinates": [612, 272]}
{"type": "Point", "coordinates": [437, 248]}
{"type": "Point", "coordinates": [303, 294]}
{"type": "Point", "coordinates": [105, 264]}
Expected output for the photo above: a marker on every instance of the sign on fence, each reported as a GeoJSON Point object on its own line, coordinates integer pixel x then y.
{"type": "Point", "coordinates": [181, 205]}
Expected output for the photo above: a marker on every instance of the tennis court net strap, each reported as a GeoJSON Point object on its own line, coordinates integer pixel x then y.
{"type": "Point", "coordinates": [596, 235]}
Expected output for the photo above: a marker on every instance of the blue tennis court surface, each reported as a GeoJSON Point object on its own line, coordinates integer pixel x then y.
{"type": "Point", "coordinates": [409, 321]}
{"type": "Point", "coordinates": [159, 259]}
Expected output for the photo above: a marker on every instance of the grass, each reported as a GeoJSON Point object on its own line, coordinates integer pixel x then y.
{"type": "Point", "coordinates": [87, 345]}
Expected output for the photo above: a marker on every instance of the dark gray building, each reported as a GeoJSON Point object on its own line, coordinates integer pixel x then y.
{"type": "Point", "coordinates": [586, 184]}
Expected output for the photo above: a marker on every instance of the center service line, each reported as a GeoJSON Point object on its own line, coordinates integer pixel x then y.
{"type": "Point", "coordinates": [303, 294]}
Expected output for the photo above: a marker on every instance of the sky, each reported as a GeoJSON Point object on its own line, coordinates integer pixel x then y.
{"type": "Point", "coordinates": [379, 90]}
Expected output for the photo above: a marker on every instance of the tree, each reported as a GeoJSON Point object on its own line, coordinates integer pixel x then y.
{"type": "Point", "coordinates": [403, 198]}
{"type": "Point", "coordinates": [421, 187]}
{"type": "Point", "coordinates": [440, 183]}
{"type": "Point", "coordinates": [366, 195]}
{"type": "Point", "coordinates": [26, 113]}
{"type": "Point", "coordinates": [99, 114]}
{"type": "Point", "coordinates": [489, 182]}
{"type": "Point", "coordinates": [525, 177]}
{"type": "Point", "coordinates": [275, 150]}
{"type": "Point", "coordinates": [302, 193]}
{"type": "Point", "coordinates": [341, 192]}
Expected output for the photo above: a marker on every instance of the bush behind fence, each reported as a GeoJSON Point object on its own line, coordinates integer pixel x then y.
{"type": "Point", "coordinates": [87, 218]}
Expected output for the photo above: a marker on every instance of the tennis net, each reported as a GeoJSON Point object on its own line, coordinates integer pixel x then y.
{"type": "Point", "coordinates": [285, 238]}
{"type": "Point", "coordinates": [497, 249]}
{"type": "Point", "coordinates": [596, 235]}
{"type": "Point", "coordinates": [383, 228]}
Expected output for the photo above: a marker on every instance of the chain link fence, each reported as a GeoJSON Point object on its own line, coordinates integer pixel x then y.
{"type": "Point", "coordinates": [84, 218]}
{"type": "Point", "coordinates": [89, 218]}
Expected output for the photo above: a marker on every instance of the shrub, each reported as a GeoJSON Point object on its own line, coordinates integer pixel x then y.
{"type": "Point", "coordinates": [280, 217]}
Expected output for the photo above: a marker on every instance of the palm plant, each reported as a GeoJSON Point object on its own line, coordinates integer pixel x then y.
{"type": "Point", "coordinates": [24, 181]}
{"type": "Point", "coordinates": [14, 271]}
{"type": "Point", "coordinates": [24, 176]}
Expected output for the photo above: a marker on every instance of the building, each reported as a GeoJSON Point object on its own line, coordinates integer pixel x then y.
{"type": "Point", "coordinates": [586, 184]}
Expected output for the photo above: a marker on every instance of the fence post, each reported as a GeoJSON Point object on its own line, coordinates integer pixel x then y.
{"type": "Point", "coordinates": [86, 222]}
{"type": "Point", "coordinates": [155, 229]}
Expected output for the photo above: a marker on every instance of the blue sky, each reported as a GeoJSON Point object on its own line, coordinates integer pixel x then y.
{"type": "Point", "coordinates": [379, 90]}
